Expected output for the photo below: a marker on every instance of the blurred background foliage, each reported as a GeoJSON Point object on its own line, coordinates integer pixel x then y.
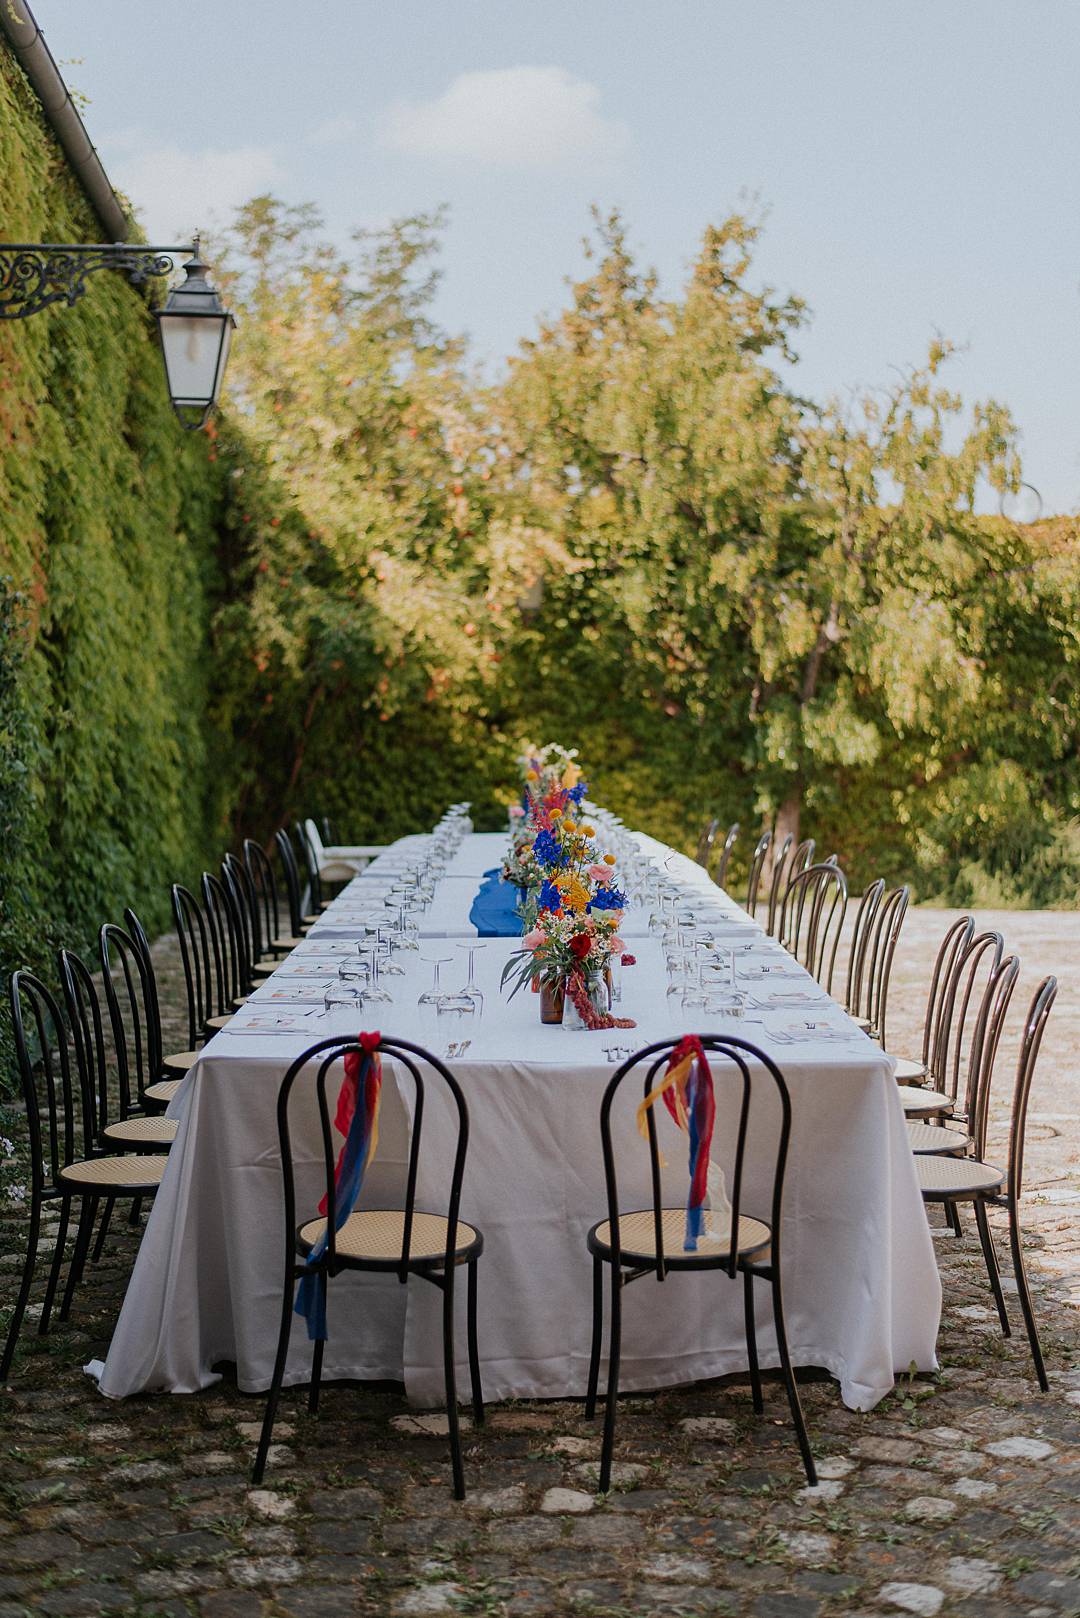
{"type": "Point", "coordinates": [379, 570]}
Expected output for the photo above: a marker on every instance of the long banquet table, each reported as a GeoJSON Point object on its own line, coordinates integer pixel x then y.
{"type": "Point", "coordinates": [861, 1284]}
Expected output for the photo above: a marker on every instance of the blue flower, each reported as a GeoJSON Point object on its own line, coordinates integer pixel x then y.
{"type": "Point", "coordinates": [579, 793]}
{"type": "Point", "coordinates": [550, 897]}
{"type": "Point", "coordinates": [608, 899]}
{"type": "Point", "coordinates": [547, 850]}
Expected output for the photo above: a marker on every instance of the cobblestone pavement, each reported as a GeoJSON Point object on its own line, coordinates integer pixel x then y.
{"type": "Point", "coordinates": [958, 1495]}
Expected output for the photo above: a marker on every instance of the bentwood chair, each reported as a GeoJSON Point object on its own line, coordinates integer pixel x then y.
{"type": "Point", "coordinates": [402, 1241]}
{"type": "Point", "coordinates": [757, 863]}
{"type": "Point", "coordinates": [227, 951]}
{"type": "Point", "coordinates": [956, 1028]}
{"type": "Point", "coordinates": [725, 856]}
{"type": "Point", "coordinates": [238, 884]}
{"type": "Point", "coordinates": [171, 1066]}
{"type": "Point", "coordinates": [339, 862]}
{"type": "Point", "coordinates": [914, 1072]}
{"type": "Point", "coordinates": [867, 997]}
{"type": "Point", "coordinates": [64, 1167]}
{"type": "Point", "coordinates": [204, 981]}
{"type": "Point", "coordinates": [856, 993]}
{"type": "Point", "coordinates": [261, 872]}
{"type": "Point", "coordinates": [316, 898]}
{"type": "Point", "coordinates": [953, 1180]}
{"type": "Point", "coordinates": [703, 852]}
{"type": "Point", "coordinates": [781, 872]}
{"type": "Point", "coordinates": [649, 1241]}
{"type": "Point", "coordinates": [298, 921]}
{"type": "Point", "coordinates": [803, 857]}
{"type": "Point", "coordinates": [812, 919]}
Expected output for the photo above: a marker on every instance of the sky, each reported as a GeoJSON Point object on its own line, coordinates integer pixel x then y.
{"type": "Point", "coordinates": [916, 163]}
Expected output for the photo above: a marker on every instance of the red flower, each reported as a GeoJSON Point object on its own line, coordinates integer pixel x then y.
{"type": "Point", "coordinates": [580, 945]}
{"type": "Point", "coordinates": [629, 960]}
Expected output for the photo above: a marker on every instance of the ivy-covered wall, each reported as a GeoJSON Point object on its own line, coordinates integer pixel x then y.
{"type": "Point", "coordinates": [108, 514]}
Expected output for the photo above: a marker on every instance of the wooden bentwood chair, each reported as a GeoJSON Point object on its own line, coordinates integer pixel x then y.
{"type": "Point", "coordinates": [952, 1180]}
{"type": "Point", "coordinates": [65, 1162]}
{"type": "Point", "coordinates": [403, 1241]}
{"type": "Point", "coordinates": [757, 865]}
{"type": "Point", "coordinates": [648, 1241]}
{"type": "Point", "coordinates": [725, 856]}
{"type": "Point", "coordinates": [812, 919]}
{"type": "Point", "coordinates": [703, 852]}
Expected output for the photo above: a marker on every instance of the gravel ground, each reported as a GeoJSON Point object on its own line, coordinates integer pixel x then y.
{"type": "Point", "coordinates": [956, 1496]}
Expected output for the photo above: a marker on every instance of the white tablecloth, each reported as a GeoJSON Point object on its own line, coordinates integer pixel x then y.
{"type": "Point", "coordinates": [861, 1283]}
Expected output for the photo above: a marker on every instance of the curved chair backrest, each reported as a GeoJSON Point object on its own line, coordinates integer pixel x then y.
{"type": "Point", "coordinates": [781, 872]}
{"type": "Point", "coordinates": [56, 1109]}
{"type": "Point", "coordinates": [993, 1008]}
{"type": "Point", "coordinates": [329, 832]}
{"type": "Point", "coordinates": [856, 990]}
{"type": "Point", "coordinates": [705, 842]}
{"type": "Point", "coordinates": [745, 1059]}
{"type": "Point", "coordinates": [292, 880]}
{"type": "Point", "coordinates": [756, 863]}
{"type": "Point", "coordinates": [311, 863]}
{"type": "Point", "coordinates": [237, 884]}
{"type": "Point", "coordinates": [725, 856]}
{"type": "Point", "coordinates": [886, 935]}
{"type": "Point", "coordinates": [131, 1015]}
{"type": "Point", "coordinates": [966, 1007]}
{"type": "Point", "coordinates": [812, 919]}
{"type": "Point", "coordinates": [83, 1008]}
{"type": "Point", "coordinates": [1034, 1027]}
{"type": "Point", "coordinates": [226, 948]}
{"type": "Point", "coordinates": [803, 857]}
{"type": "Point", "coordinates": [314, 837]}
{"type": "Point", "coordinates": [946, 964]}
{"type": "Point", "coordinates": [192, 932]}
{"type": "Point", "coordinates": [261, 872]}
{"type": "Point", "coordinates": [407, 1057]}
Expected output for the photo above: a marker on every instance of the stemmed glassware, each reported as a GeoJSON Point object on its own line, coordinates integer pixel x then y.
{"type": "Point", "coordinates": [428, 1002]}
{"type": "Point", "coordinates": [472, 990]}
{"type": "Point", "coordinates": [375, 993]}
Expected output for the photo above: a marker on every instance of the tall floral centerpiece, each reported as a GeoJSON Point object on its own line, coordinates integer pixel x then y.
{"type": "Point", "coordinates": [551, 784]}
{"type": "Point", "coordinates": [579, 907]}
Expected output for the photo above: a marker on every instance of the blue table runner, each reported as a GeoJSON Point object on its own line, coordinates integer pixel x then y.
{"type": "Point", "coordinates": [494, 910]}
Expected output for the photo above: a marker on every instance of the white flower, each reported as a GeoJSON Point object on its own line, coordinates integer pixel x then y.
{"type": "Point", "coordinates": [6, 1147]}
{"type": "Point", "coordinates": [16, 1193]}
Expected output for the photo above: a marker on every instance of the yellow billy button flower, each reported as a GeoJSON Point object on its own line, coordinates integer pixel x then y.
{"type": "Point", "coordinates": [568, 825]}
{"type": "Point", "coordinates": [588, 831]}
{"type": "Point", "coordinates": [609, 859]}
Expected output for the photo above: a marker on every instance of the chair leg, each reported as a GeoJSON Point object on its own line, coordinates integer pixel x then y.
{"type": "Point", "coordinates": [103, 1230]}
{"type": "Point", "coordinates": [751, 1342]}
{"type": "Point", "coordinates": [597, 1336]}
{"type": "Point", "coordinates": [317, 1359]}
{"type": "Point", "coordinates": [24, 1290]}
{"type": "Point", "coordinates": [474, 1350]}
{"type": "Point", "coordinates": [992, 1265]}
{"type": "Point", "coordinates": [451, 1385]}
{"type": "Point", "coordinates": [1020, 1272]}
{"type": "Point", "coordinates": [136, 1211]}
{"type": "Point", "coordinates": [54, 1272]}
{"type": "Point", "coordinates": [952, 1214]}
{"type": "Point", "coordinates": [87, 1214]}
{"type": "Point", "coordinates": [614, 1351]}
{"type": "Point", "coordinates": [789, 1379]}
{"type": "Point", "coordinates": [274, 1393]}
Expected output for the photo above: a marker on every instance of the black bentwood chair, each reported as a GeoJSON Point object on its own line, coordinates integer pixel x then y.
{"type": "Point", "coordinates": [725, 856]}
{"type": "Point", "coordinates": [268, 910]}
{"type": "Point", "coordinates": [812, 919]}
{"type": "Point", "coordinates": [703, 853]}
{"type": "Point", "coordinates": [781, 874]}
{"type": "Point", "coordinates": [956, 1027]}
{"type": "Point", "coordinates": [757, 864]}
{"type": "Point", "coordinates": [167, 1067]}
{"type": "Point", "coordinates": [298, 921]}
{"type": "Point", "coordinates": [951, 1180]}
{"type": "Point", "coordinates": [648, 1241]}
{"type": "Point", "coordinates": [403, 1241]}
{"type": "Point", "coordinates": [914, 1073]}
{"type": "Point", "coordinates": [61, 1125]}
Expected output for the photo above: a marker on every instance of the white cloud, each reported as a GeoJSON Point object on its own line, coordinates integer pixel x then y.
{"type": "Point", "coordinates": [331, 132]}
{"type": "Point", "coordinates": [175, 192]}
{"type": "Point", "coordinates": [513, 117]}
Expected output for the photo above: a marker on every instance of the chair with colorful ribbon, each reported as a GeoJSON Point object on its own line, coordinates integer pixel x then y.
{"type": "Point", "coordinates": [660, 1238]}
{"type": "Point", "coordinates": [403, 1240]}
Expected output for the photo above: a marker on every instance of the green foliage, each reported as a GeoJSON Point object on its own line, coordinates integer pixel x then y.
{"type": "Point", "coordinates": [107, 519]}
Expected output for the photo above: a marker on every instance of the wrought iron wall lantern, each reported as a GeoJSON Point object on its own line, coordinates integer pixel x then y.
{"type": "Point", "coordinates": [194, 325]}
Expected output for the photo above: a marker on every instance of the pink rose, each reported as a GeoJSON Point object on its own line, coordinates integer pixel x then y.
{"type": "Point", "coordinates": [601, 873]}
{"type": "Point", "coordinates": [616, 945]}
{"type": "Point", "coordinates": [534, 939]}
{"type": "Point", "coordinates": [516, 811]}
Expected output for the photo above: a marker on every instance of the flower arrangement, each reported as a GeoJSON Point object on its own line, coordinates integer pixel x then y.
{"type": "Point", "coordinates": [579, 908]}
{"type": "Point", "coordinates": [550, 777]}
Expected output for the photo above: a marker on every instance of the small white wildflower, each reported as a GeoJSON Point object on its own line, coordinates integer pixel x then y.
{"type": "Point", "coordinates": [16, 1193]}
{"type": "Point", "coordinates": [6, 1146]}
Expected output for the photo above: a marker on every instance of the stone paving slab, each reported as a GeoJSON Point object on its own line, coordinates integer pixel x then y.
{"type": "Point", "coordinates": [959, 1495]}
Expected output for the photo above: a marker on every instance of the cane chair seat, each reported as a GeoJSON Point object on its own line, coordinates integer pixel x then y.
{"type": "Point", "coordinates": [374, 1236]}
{"type": "Point", "coordinates": [864, 1024]}
{"type": "Point", "coordinates": [162, 1091]}
{"type": "Point", "coordinates": [118, 1174]}
{"type": "Point", "coordinates": [928, 1102]}
{"type": "Point", "coordinates": [637, 1238]}
{"type": "Point", "coordinates": [287, 941]}
{"type": "Point", "coordinates": [142, 1131]}
{"type": "Point", "coordinates": [178, 1062]}
{"type": "Point", "coordinates": [938, 1141]}
{"type": "Point", "coordinates": [956, 1176]}
{"type": "Point", "coordinates": [217, 1023]}
{"type": "Point", "coordinates": [909, 1071]}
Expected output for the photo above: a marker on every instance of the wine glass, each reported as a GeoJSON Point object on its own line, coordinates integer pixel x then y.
{"type": "Point", "coordinates": [341, 993]}
{"type": "Point", "coordinates": [472, 989]}
{"type": "Point", "coordinates": [375, 993]}
{"type": "Point", "coordinates": [428, 1002]}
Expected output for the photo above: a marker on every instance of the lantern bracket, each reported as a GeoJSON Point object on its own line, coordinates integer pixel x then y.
{"type": "Point", "coordinates": [34, 275]}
